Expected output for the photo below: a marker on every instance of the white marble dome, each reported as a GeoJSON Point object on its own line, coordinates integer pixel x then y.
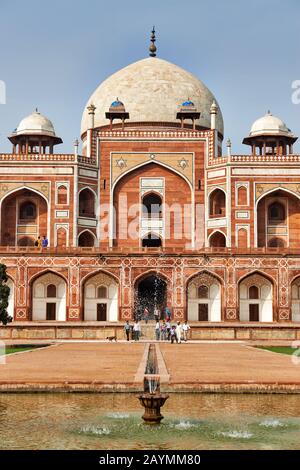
{"type": "Point", "coordinates": [35, 123]}
{"type": "Point", "coordinates": [152, 90]}
{"type": "Point", "coordinates": [269, 125]}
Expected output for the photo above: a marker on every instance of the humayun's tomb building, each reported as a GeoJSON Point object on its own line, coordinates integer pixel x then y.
{"type": "Point", "coordinates": [152, 213]}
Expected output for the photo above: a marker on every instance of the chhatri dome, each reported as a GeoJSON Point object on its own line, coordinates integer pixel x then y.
{"type": "Point", "coordinates": [270, 125]}
{"type": "Point", "coordinates": [34, 133]}
{"type": "Point", "coordinates": [36, 123]}
{"type": "Point", "coordinates": [152, 90]}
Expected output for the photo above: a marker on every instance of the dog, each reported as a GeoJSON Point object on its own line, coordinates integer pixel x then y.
{"type": "Point", "coordinates": [111, 338]}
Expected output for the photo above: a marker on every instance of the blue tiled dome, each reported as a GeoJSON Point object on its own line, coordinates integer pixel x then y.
{"type": "Point", "coordinates": [116, 104]}
{"type": "Point", "coordinates": [187, 103]}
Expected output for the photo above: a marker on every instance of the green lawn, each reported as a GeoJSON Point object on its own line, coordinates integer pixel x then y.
{"type": "Point", "coordinates": [21, 348]}
{"type": "Point", "coordinates": [279, 349]}
{"type": "Point", "coordinates": [13, 349]}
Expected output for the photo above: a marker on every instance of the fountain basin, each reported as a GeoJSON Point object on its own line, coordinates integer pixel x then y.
{"type": "Point", "coordinates": [152, 402]}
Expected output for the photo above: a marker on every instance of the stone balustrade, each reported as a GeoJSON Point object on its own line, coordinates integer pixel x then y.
{"type": "Point", "coordinates": [102, 251]}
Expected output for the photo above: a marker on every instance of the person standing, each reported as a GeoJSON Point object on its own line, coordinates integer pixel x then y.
{"type": "Point", "coordinates": [136, 330]}
{"type": "Point", "coordinates": [168, 329]}
{"type": "Point", "coordinates": [146, 315]}
{"type": "Point", "coordinates": [173, 334]}
{"type": "Point", "coordinates": [39, 242]}
{"type": "Point", "coordinates": [178, 332]}
{"type": "Point", "coordinates": [185, 328]}
{"type": "Point", "coordinates": [127, 329]}
{"type": "Point", "coordinates": [45, 242]}
{"type": "Point", "coordinates": [157, 331]}
{"type": "Point", "coordinates": [167, 314]}
{"type": "Point", "coordinates": [163, 330]}
{"type": "Point", "coordinates": [156, 314]}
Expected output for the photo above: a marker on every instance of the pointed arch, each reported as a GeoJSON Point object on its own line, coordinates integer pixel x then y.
{"type": "Point", "coordinates": [152, 240]}
{"type": "Point", "coordinates": [204, 307]}
{"type": "Point", "coordinates": [156, 162]}
{"type": "Point", "coordinates": [217, 239]}
{"type": "Point", "coordinates": [261, 234]}
{"type": "Point", "coordinates": [217, 203]}
{"type": "Point", "coordinates": [103, 307]}
{"type": "Point", "coordinates": [87, 202]}
{"type": "Point", "coordinates": [87, 238]}
{"type": "Point", "coordinates": [48, 303]}
{"type": "Point", "coordinates": [256, 308]}
{"type": "Point", "coordinates": [295, 298]}
{"type": "Point", "coordinates": [12, 239]}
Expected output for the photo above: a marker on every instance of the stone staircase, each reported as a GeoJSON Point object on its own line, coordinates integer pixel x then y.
{"type": "Point", "coordinates": [148, 330]}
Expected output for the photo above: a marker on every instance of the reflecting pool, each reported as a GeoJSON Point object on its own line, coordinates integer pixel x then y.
{"type": "Point", "coordinates": [113, 421]}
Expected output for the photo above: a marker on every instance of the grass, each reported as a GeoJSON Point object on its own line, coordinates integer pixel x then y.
{"type": "Point", "coordinates": [21, 348]}
{"type": "Point", "coordinates": [279, 349]}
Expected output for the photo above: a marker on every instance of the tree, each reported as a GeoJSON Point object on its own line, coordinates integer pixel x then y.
{"type": "Point", "coordinates": [4, 294]}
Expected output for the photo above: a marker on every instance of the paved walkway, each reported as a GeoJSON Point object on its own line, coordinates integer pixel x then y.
{"type": "Point", "coordinates": [74, 362]}
{"type": "Point", "coordinates": [114, 367]}
{"type": "Point", "coordinates": [227, 363]}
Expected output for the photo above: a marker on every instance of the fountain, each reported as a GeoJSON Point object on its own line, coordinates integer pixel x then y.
{"type": "Point", "coordinates": [152, 400]}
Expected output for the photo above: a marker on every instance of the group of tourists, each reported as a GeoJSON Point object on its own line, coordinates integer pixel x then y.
{"type": "Point", "coordinates": [41, 242]}
{"type": "Point", "coordinates": [133, 332]}
{"type": "Point", "coordinates": [164, 331]}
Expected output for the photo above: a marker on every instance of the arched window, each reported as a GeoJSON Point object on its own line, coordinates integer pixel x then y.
{"type": "Point", "coordinates": [86, 239]}
{"type": "Point", "coordinates": [276, 243]}
{"type": "Point", "coordinates": [62, 195]}
{"type": "Point", "coordinates": [51, 290]}
{"type": "Point", "coordinates": [217, 240]}
{"type": "Point", "coordinates": [27, 211]}
{"type": "Point", "coordinates": [151, 241]}
{"type": "Point", "coordinates": [203, 292]}
{"type": "Point", "coordinates": [102, 292]}
{"type": "Point", "coordinates": [86, 203]}
{"type": "Point", "coordinates": [253, 292]}
{"type": "Point", "coordinates": [276, 213]}
{"type": "Point", "coordinates": [242, 196]}
{"type": "Point", "coordinates": [217, 203]}
{"type": "Point", "coordinates": [152, 206]}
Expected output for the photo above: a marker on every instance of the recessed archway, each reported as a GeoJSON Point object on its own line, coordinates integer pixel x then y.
{"type": "Point", "coordinates": [152, 205]}
{"type": "Point", "coordinates": [217, 240]}
{"type": "Point", "coordinates": [87, 203]}
{"type": "Point", "coordinates": [151, 241]}
{"type": "Point", "coordinates": [100, 293]}
{"type": "Point", "coordinates": [24, 216]}
{"type": "Point", "coordinates": [49, 298]}
{"type": "Point", "coordinates": [256, 298]}
{"type": "Point", "coordinates": [204, 298]}
{"type": "Point", "coordinates": [277, 212]}
{"type": "Point", "coordinates": [11, 298]}
{"type": "Point", "coordinates": [86, 239]}
{"type": "Point", "coordinates": [150, 293]}
{"type": "Point", "coordinates": [295, 300]}
{"type": "Point", "coordinates": [217, 203]}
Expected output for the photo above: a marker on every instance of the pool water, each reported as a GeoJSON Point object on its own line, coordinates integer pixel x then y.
{"type": "Point", "coordinates": [113, 421]}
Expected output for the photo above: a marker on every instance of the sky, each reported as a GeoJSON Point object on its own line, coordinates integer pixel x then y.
{"type": "Point", "coordinates": [54, 54]}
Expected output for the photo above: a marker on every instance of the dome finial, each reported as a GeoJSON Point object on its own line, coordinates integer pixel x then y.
{"type": "Point", "coordinates": [152, 48]}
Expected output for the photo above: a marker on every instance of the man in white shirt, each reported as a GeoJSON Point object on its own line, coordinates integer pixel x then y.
{"type": "Point", "coordinates": [185, 328]}
{"type": "Point", "coordinates": [178, 332]}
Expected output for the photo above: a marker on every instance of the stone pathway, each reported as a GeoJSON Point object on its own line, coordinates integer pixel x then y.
{"type": "Point", "coordinates": [106, 366]}
{"type": "Point", "coordinates": [78, 363]}
{"type": "Point", "coordinates": [227, 363]}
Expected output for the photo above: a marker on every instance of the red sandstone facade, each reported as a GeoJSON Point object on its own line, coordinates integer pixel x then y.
{"type": "Point", "coordinates": [222, 238]}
